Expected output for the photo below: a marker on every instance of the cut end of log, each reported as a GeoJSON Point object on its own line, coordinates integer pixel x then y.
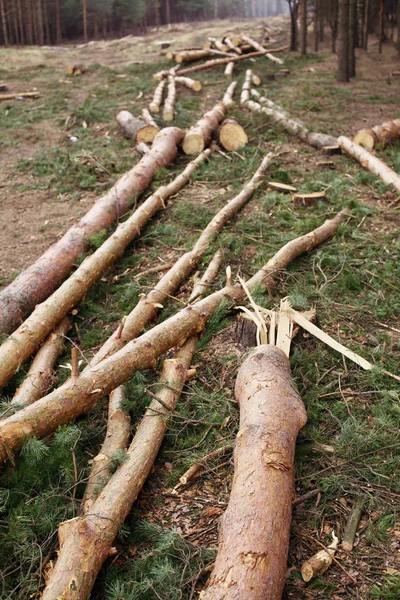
{"type": "Point", "coordinates": [308, 199]}
{"type": "Point", "coordinates": [146, 134]}
{"type": "Point", "coordinates": [168, 116]}
{"type": "Point", "coordinates": [365, 139]}
{"type": "Point", "coordinates": [154, 108]}
{"type": "Point", "coordinates": [193, 143]}
{"type": "Point", "coordinates": [330, 150]}
{"type": "Point", "coordinates": [232, 135]}
{"type": "Point", "coordinates": [347, 546]}
{"type": "Point", "coordinates": [307, 572]}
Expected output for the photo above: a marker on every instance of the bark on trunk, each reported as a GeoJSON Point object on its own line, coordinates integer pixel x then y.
{"type": "Point", "coordinates": [343, 42]}
{"type": "Point", "coordinates": [38, 281]}
{"type": "Point", "coordinates": [157, 98]}
{"type": "Point", "coordinates": [381, 25]}
{"type": "Point", "coordinates": [370, 162]}
{"type": "Point", "coordinates": [366, 25]}
{"type": "Point", "coordinates": [40, 376]}
{"type": "Point", "coordinates": [134, 128]}
{"type": "Point", "coordinates": [352, 37]}
{"type": "Point", "coordinates": [169, 104]}
{"type": "Point", "coordinates": [80, 395]}
{"type": "Point", "coordinates": [209, 276]}
{"type": "Point", "coordinates": [231, 135]}
{"type": "Point", "coordinates": [317, 21]}
{"type": "Point", "coordinates": [86, 542]}
{"type": "Point", "coordinates": [303, 27]}
{"type": "Point", "coordinates": [255, 529]}
{"type": "Point", "coordinates": [383, 134]}
{"type": "Point", "coordinates": [4, 23]}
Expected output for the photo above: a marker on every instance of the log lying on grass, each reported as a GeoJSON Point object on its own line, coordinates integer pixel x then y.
{"type": "Point", "coordinates": [255, 529]}
{"type": "Point", "coordinates": [383, 134]}
{"type": "Point", "coordinates": [211, 64]}
{"type": "Point", "coordinates": [86, 542]}
{"type": "Point", "coordinates": [23, 342]}
{"type": "Point", "coordinates": [149, 119]}
{"type": "Point", "coordinates": [370, 162]}
{"type": "Point", "coordinates": [80, 395]}
{"type": "Point", "coordinates": [38, 281]}
{"type": "Point", "coordinates": [229, 70]}
{"type": "Point", "coordinates": [279, 116]}
{"type": "Point", "coordinates": [40, 376]}
{"type": "Point", "coordinates": [19, 95]}
{"type": "Point", "coordinates": [245, 93]}
{"type": "Point", "coordinates": [231, 135]}
{"type": "Point", "coordinates": [228, 100]}
{"type": "Point", "coordinates": [191, 55]}
{"type": "Point", "coordinates": [192, 84]}
{"type": "Point", "coordinates": [157, 98]}
{"type": "Point", "coordinates": [169, 104]}
{"type": "Point", "coordinates": [199, 136]}
{"type": "Point", "coordinates": [134, 128]}
{"type": "Point", "coordinates": [261, 49]}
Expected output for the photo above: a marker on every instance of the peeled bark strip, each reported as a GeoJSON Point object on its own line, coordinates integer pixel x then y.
{"type": "Point", "coordinates": [231, 135]}
{"type": "Point", "coordinates": [157, 98]}
{"type": "Point", "coordinates": [148, 306]}
{"type": "Point", "coordinates": [382, 135]}
{"type": "Point", "coordinates": [78, 396]}
{"type": "Point", "coordinates": [149, 119]}
{"type": "Point", "coordinates": [255, 529]}
{"type": "Point", "coordinates": [199, 136]}
{"type": "Point", "coordinates": [169, 104]}
{"type": "Point", "coordinates": [191, 55]}
{"type": "Point", "coordinates": [279, 116]}
{"type": "Point", "coordinates": [86, 542]}
{"type": "Point", "coordinates": [134, 128]}
{"type": "Point", "coordinates": [192, 84]}
{"type": "Point", "coordinates": [228, 100]}
{"type": "Point", "coordinates": [245, 94]}
{"type": "Point", "coordinates": [229, 70]}
{"type": "Point", "coordinates": [260, 48]}
{"type": "Point", "coordinates": [38, 281]}
{"type": "Point", "coordinates": [370, 162]}
{"type": "Point", "coordinates": [22, 343]}
{"type": "Point", "coordinates": [40, 376]}
{"type": "Point", "coordinates": [209, 275]}
{"type": "Point", "coordinates": [117, 437]}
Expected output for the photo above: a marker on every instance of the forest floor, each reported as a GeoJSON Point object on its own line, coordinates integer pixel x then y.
{"type": "Point", "coordinates": [47, 181]}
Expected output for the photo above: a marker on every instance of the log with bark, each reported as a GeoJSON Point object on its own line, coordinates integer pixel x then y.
{"type": "Point", "coordinates": [135, 128]}
{"type": "Point", "coordinates": [208, 277]}
{"type": "Point", "coordinates": [196, 467]}
{"type": "Point", "coordinates": [40, 376]}
{"type": "Point", "coordinates": [211, 64]}
{"type": "Point", "coordinates": [86, 541]}
{"type": "Point", "coordinates": [261, 49]}
{"type": "Point", "coordinates": [169, 104]}
{"type": "Point", "coordinates": [192, 84]}
{"type": "Point", "coordinates": [279, 116]}
{"type": "Point", "coordinates": [380, 135]}
{"type": "Point", "coordinates": [199, 136]}
{"type": "Point", "coordinates": [229, 70]}
{"type": "Point", "coordinates": [149, 119]}
{"type": "Point", "coordinates": [191, 55]}
{"type": "Point", "coordinates": [231, 46]}
{"type": "Point", "coordinates": [370, 162]}
{"type": "Point", "coordinates": [228, 100]}
{"type": "Point", "coordinates": [81, 394]}
{"type": "Point", "coordinates": [23, 342]}
{"type": "Point", "coordinates": [231, 135]}
{"type": "Point", "coordinates": [255, 529]}
{"type": "Point", "coordinates": [155, 104]}
{"type": "Point", "coordinates": [245, 93]}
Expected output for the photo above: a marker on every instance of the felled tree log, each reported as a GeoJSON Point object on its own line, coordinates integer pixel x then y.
{"type": "Point", "coordinates": [157, 98]}
{"type": "Point", "coordinates": [19, 95]}
{"type": "Point", "coordinates": [192, 84]}
{"type": "Point", "coordinates": [370, 162]}
{"type": "Point", "coordinates": [255, 79]}
{"type": "Point", "coordinates": [134, 128]}
{"type": "Point", "coordinates": [245, 94]}
{"type": "Point", "coordinates": [231, 135]}
{"type": "Point", "coordinates": [40, 376]}
{"type": "Point", "coordinates": [231, 46]}
{"type": "Point", "coordinates": [80, 395]}
{"type": "Point", "coordinates": [261, 49]}
{"type": "Point", "coordinates": [279, 116]}
{"type": "Point", "coordinates": [218, 44]}
{"type": "Point", "coordinates": [191, 55]}
{"type": "Point", "coordinates": [383, 134]}
{"type": "Point", "coordinates": [38, 281]}
{"type": "Point", "coordinates": [169, 104]}
{"type": "Point", "coordinates": [199, 136]}
{"type": "Point", "coordinates": [255, 529]}
{"type": "Point", "coordinates": [319, 562]}
{"type": "Point", "coordinates": [117, 438]}
{"type": "Point", "coordinates": [228, 100]}
{"type": "Point", "coordinates": [229, 70]}
{"type": "Point", "coordinates": [86, 542]}
{"type": "Point", "coordinates": [149, 119]}
{"type": "Point", "coordinates": [216, 62]}
{"type": "Point", "coordinates": [209, 275]}
{"type": "Point", "coordinates": [22, 343]}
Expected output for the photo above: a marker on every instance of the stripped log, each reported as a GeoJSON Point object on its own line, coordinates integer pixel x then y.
{"type": "Point", "coordinates": [86, 541]}
{"type": "Point", "coordinates": [228, 100]}
{"type": "Point", "coordinates": [135, 128]}
{"type": "Point", "coordinates": [38, 281]}
{"type": "Point", "coordinates": [370, 162]}
{"type": "Point", "coordinates": [254, 534]}
{"type": "Point", "coordinates": [169, 104]}
{"type": "Point", "coordinates": [245, 94]}
{"type": "Point", "coordinates": [157, 98]}
{"type": "Point", "coordinates": [231, 135]}
{"type": "Point", "coordinates": [81, 394]}
{"type": "Point", "coordinates": [191, 55]}
{"type": "Point", "coordinates": [261, 49]}
{"type": "Point", "coordinates": [192, 84]}
{"type": "Point", "coordinates": [381, 135]}
{"type": "Point", "coordinates": [40, 376]}
{"type": "Point", "coordinates": [116, 439]}
{"type": "Point", "coordinates": [229, 70]}
{"type": "Point", "coordinates": [279, 116]}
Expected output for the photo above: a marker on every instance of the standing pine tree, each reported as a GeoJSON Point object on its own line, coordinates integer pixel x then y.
{"type": "Point", "coordinates": [343, 41]}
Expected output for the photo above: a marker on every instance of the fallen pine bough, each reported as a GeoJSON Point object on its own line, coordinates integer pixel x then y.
{"type": "Point", "coordinates": [82, 393]}
{"type": "Point", "coordinates": [38, 281]}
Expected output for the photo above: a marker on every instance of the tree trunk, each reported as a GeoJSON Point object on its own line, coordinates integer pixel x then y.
{"type": "Point", "coordinates": [303, 27]}
{"type": "Point", "coordinates": [46, 23]}
{"type": "Point", "coordinates": [20, 22]}
{"type": "Point", "coordinates": [380, 135]}
{"type": "Point", "coordinates": [15, 25]}
{"type": "Point", "coordinates": [38, 281]}
{"type": "Point", "coordinates": [317, 21]}
{"type": "Point", "coordinates": [80, 395]}
{"type": "Point", "coordinates": [136, 129]}
{"type": "Point", "coordinates": [58, 23]}
{"type": "Point", "coordinates": [211, 64]}
{"type": "Point", "coordinates": [85, 23]}
{"type": "Point", "coordinates": [254, 533]}
{"type": "Point", "coordinates": [381, 24]}
{"type": "Point", "coordinates": [168, 12]}
{"type": "Point", "coordinates": [246, 87]}
{"type": "Point", "coordinates": [191, 55]}
{"type": "Point", "coordinates": [4, 22]}
{"type": "Point", "coordinates": [370, 162]}
{"type": "Point", "coordinates": [343, 42]}
{"type": "Point", "coordinates": [40, 23]}
{"type": "Point", "coordinates": [366, 25]}
{"type": "Point", "coordinates": [352, 37]}
{"type": "Point", "coordinates": [294, 32]}
{"type": "Point", "coordinates": [398, 28]}
{"type": "Point", "coordinates": [40, 376]}
{"type": "Point", "coordinates": [260, 48]}
{"type": "Point", "coordinates": [28, 11]}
